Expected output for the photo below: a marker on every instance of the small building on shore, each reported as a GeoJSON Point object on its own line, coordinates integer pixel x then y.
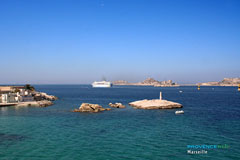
{"type": "Point", "coordinates": [3, 98]}
{"type": "Point", "coordinates": [14, 94]}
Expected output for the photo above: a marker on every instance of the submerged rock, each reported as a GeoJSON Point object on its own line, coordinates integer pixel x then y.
{"type": "Point", "coordinates": [11, 138]}
{"type": "Point", "coordinates": [87, 107]}
{"type": "Point", "coordinates": [117, 105]}
{"type": "Point", "coordinates": [45, 103]}
{"type": "Point", "coordinates": [155, 104]}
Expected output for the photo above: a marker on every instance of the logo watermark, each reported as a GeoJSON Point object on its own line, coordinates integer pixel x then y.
{"type": "Point", "coordinates": [204, 148]}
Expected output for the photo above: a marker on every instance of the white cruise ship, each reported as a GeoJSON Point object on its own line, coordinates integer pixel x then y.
{"type": "Point", "coordinates": [102, 84]}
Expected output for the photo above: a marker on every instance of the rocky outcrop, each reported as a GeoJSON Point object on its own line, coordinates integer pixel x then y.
{"type": "Point", "coordinates": [117, 105]}
{"type": "Point", "coordinates": [155, 104]}
{"type": "Point", "coordinates": [38, 96]}
{"type": "Point", "coordinates": [92, 108]}
{"type": "Point", "coordinates": [230, 81]}
{"type": "Point", "coordinates": [41, 99]}
{"type": "Point", "coordinates": [167, 83]}
{"type": "Point", "coordinates": [224, 82]}
{"type": "Point", "coordinates": [148, 82]}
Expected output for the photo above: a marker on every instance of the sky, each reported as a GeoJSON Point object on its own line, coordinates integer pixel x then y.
{"type": "Point", "coordinates": [80, 41]}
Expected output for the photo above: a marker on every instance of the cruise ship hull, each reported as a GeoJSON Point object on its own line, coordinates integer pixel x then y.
{"type": "Point", "coordinates": [101, 84]}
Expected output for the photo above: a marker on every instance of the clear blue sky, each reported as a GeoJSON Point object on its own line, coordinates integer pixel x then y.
{"type": "Point", "coordinates": [64, 42]}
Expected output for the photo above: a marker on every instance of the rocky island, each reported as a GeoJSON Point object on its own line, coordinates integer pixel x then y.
{"type": "Point", "coordinates": [224, 82]}
{"type": "Point", "coordinates": [91, 108]}
{"type": "Point", "coordinates": [148, 82]}
{"type": "Point", "coordinates": [94, 108]}
{"type": "Point", "coordinates": [155, 104]}
{"type": "Point", "coordinates": [24, 96]}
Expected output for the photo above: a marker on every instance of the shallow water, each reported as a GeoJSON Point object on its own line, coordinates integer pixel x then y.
{"type": "Point", "coordinates": [212, 116]}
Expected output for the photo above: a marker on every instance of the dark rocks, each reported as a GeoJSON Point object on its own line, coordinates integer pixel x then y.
{"type": "Point", "coordinates": [117, 105]}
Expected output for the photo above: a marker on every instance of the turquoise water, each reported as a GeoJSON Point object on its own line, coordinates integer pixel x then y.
{"type": "Point", "coordinates": [212, 116]}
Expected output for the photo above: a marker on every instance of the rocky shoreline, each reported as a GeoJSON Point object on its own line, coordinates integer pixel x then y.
{"type": "Point", "coordinates": [41, 99]}
{"type": "Point", "coordinates": [43, 103]}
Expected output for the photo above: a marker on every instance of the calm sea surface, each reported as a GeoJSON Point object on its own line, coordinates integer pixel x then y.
{"type": "Point", "coordinates": [212, 117]}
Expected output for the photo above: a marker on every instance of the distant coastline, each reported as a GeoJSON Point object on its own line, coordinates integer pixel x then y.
{"type": "Point", "coordinates": [148, 82]}
{"type": "Point", "coordinates": [224, 82]}
{"type": "Point", "coordinates": [170, 83]}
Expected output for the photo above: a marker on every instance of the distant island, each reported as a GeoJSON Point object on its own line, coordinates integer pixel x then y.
{"type": "Point", "coordinates": [224, 82]}
{"type": "Point", "coordinates": [148, 82]}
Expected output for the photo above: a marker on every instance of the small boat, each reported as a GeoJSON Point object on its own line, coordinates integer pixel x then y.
{"type": "Point", "coordinates": [198, 87]}
{"type": "Point", "coordinates": [179, 112]}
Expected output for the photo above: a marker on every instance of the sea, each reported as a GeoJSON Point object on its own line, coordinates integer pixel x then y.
{"type": "Point", "coordinates": [208, 129]}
